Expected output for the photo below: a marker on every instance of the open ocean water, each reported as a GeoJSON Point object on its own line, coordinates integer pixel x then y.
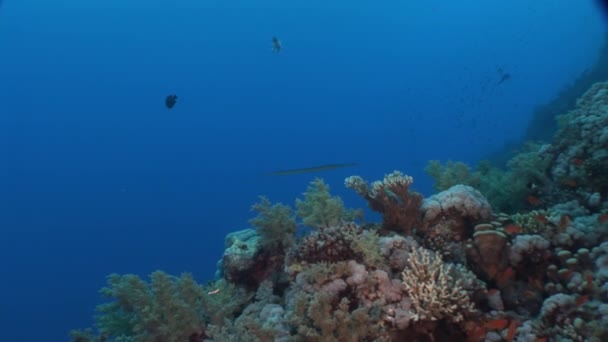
{"type": "Point", "coordinates": [98, 176]}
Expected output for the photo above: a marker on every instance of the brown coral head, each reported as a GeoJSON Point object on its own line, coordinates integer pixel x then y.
{"type": "Point", "coordinates": [328, 244]}
{"type": "Point", "coordinates": [491, 246]}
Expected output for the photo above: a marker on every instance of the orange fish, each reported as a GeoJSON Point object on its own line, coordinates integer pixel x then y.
{"type": "Point", "coordinates": [476, 334]}
{"type": "Point", "coordinates": [496, 324]}
{"type": "Point", "coordinates": [542, 219]}
{"type": "Point", "coordinates": [603, 218]}
{"type": "Point", "coordinates": [578, 161]}
{"type": "Point", "coordinates": [505, 277]}
{"type": "Point", "coordinates": [564, 221]}
{"type": "Point", "coordinates": [580, 301]}
{"type": "Point", "coordinates": [541, 339]}
{"type": "Point", "coordinates": [568, 275]}
{"type": "Point", "coordinates": [533, 200]}
{"type": "Point", "coordinates": [570, 182]}
{"type": "Point", "coordinates": [512, 330]}
{"type": "Point", "coordinates": [528, 294]}
{"type": "Point", "coordinates": [513, 229]}
{"type": "Point", "coordinates": [536, 282]}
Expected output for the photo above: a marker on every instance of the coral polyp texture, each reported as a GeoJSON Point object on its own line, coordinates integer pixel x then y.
{"type": "Point", "coordinates": [496, 255]}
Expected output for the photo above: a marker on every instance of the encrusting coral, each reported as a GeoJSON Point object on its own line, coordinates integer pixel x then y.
{"type": "Point", "coordinates": [447, 268]}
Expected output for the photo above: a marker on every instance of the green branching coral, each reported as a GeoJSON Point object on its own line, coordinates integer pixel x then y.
{"type": "Point", "coordinates": [450, 174]}
{"type": "Point", "coordinates": [506, 190]}
{"type": "Point", "coordinates": [531, 165]}
{"type": "Point", "coordinates": [166, 309]}
{"type": "Point", "coordinates": [317, 318]}
{"type": "Point", "coordinates": [223, 301]}
{"type": "Point", "coordinates": [320, 209]}
{"type": "Point", "coordinates": [275, 223]}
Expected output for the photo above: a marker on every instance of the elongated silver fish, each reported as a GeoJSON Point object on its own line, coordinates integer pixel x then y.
{"type": "Point", "coordinates": [319, 168]}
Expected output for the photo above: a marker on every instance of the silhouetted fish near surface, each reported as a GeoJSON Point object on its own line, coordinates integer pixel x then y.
{"type": "Point", "coordinates": [504, 76]}
{"type": "Point", "coordinates": [319, 168]}
{"type": "Point", "coordinates": [276, 45]}
{"type": "Point", "coordinates": [170, 100]}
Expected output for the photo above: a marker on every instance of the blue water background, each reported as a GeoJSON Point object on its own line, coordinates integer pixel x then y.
{"type": "Point", "coordinates": [97, 176]}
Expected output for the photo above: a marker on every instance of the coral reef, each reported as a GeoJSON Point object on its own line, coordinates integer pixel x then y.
{"type": "Point", "coordinates": [391, 197]}
{"type": "Point", "coordinates": [451, 267]}
{"type": "Point", "coordinates": [320, 209]}
{"type": "Point", "coordinates": [434, 289]}
{"type": "Point", "coordinates": [509, 190]}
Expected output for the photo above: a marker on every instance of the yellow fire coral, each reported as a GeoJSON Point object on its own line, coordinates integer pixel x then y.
{"type": "Point", "coordinates": [434, 291]}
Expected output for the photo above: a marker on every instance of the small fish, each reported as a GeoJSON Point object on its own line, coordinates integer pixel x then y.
{"type": "Point", "coordinates": [512, 330]}
{"type": "Point", "coordinates": [311, 169]}
{"type": "Point", "coordinates": [532, 187]}
{"type": "Point", "coordinates": [496, 324]}
{"type": "Point", "coordinates": [564, 222]}
{"type": "Point", "coordinates": [580, 301]}
{"type": "Point", "coordinates": [503, 78]}
{"type": "Point", "coordinates": [570, 182]}
{"type": "Point", "coordinates": [170, 101]}
{"type": "Point", "coordinates": [214, 292]}
{"type": "Point", "coordinates": [528, 294]}
{"type": "Point", "coordinates": [505, 277]}
{"type": "Point", "coordinates": [603, 218]}
{"type": "Point", "coordinates": [541, 219]}
{"type": "Point", "coordinates": [476, 333]}
{"type": "Point", "coordinates": [513, 229]}
{"type": "Point", "coordinates": [276, 45]}
{"type": "Point", "coordinates": [590, 281]}
{"type": "Point", "coordinates": [533, 200]}
{"type": "Point", "coordinates": [578, 161]}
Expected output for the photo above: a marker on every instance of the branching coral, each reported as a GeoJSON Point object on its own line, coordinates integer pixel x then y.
{"type": "Point", "coordinates": [450, 174]}
{"type": "Point", "coordinates": [391, 197]}
{"type": "Point", "coordinates": [168, 309]}
{"type": "Point", "coordinates": [435, 293]}
{"type": "Point", "coordinates": [506, 190]}
{"type": "Point", "coordinates": [320, 209]}
{"type": "Point", "coordinates": [275, 223]}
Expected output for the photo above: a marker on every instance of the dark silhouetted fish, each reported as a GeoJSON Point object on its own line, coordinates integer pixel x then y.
{"type": "Point", "coordinates": [169, 100]}
{"type": "Point", "coordinates": [276, 45]}
{"type": "Point", "coordinates": [504, 76]}
{"type": "Point", "coordinates": [319, 168]}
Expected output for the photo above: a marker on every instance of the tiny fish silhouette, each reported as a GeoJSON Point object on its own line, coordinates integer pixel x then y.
{"type": "Point", "coordinates": [170, 100]}
{"type": "Point", "coordinates": [276, 45]}
{"type": "Point", "coordinates": [319, 168]}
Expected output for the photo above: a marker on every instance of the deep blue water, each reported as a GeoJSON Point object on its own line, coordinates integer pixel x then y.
{"type": "Point", "coordinates": [97, 176]}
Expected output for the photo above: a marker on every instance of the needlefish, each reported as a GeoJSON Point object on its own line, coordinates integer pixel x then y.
{"type": "Point", "coordinates": [319, 168]}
